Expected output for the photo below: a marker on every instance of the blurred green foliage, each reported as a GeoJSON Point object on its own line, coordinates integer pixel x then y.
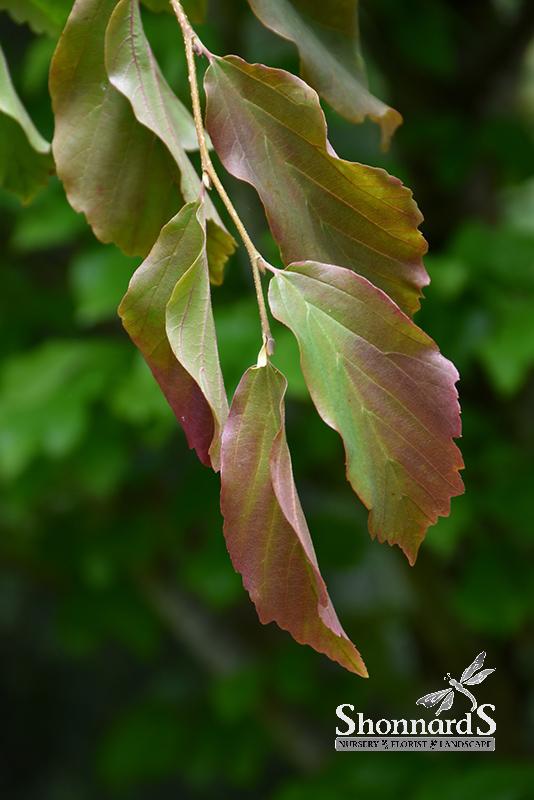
{"type": "Point", "coordinates": [133, 665]}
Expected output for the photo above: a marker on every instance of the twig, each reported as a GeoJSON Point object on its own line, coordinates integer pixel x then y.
{"type": "Point", "coordinates": [209, 175]}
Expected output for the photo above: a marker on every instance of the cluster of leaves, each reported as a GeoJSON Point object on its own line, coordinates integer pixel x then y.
{"type": "Point", "coordinates": [90, 672]}
{"type": "Point", "coordinates": [348, 235]}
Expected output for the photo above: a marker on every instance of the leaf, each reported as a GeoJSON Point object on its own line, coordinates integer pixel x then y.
{"type": "Point", "coordinates": [269, 130]}
{"type": "Point", "coordinates": [25, 161]}
{"type": "Point", "coordinates": [380, 381]}
{"type": "Point", "coordinates": [266, 533]}
{"type": "Point", "coordinates": [43, 16]}
{"type": "Point", "coordinates": [167, 314]}
{"type": "Point", "coordinates": [38, 417]}
{"type": "Point", "coordinates": [328, 40]}
{"type": "Point", "coordinates": [113, 169]}
{"type": "Point", "coordinates": [134, 72]}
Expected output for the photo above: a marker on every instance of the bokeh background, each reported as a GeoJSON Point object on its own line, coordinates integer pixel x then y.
{"type": "Point", "coordinates": [132, 663]}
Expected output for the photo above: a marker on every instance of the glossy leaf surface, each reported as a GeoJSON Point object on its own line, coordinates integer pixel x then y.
{"type": "Point", "coordinates": [266, 533]}
{"type": "Point", "coordinates": [25, 160]}
{"type": "Point", "coordinates": [327, 37]}
{"type": "Point", "coordinates": [381, 382]}
{"type": "Point", "coordinates": [269, 130]}
{"type": "Point", "coordinates": [134, 72]}
{"type": "Point", "coordinates": [114, 170]}
{"type": "Point", "coordinates": [167, 313]}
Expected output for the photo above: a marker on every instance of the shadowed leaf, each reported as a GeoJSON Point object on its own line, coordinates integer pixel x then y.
{"type": "Point", "coordinates": [380, 381]}
{"type": "Point", "coordinates": [328, 40]}
{"type": "Point", "coordinates": [167, 313]}
{"type": "Point", "coordinates": [113, 169]}
{"type": "Point", "coordinates": [266, 533]}
{"type": "Point", "coordinates": [134, 72]}
{"type": "Point", "coordinates": [269, 130]}
{"type": "Point", "coordinates": [25, 161]}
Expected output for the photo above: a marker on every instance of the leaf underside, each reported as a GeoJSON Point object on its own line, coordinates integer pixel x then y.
{"type": "Point", "coordinates": [268, 128]}
{"type": "Point", "coordinates": [328, 40]}
{"type": "Point", "coordinates": [265, 530]}
{"type": "Point", "coordinates": [167, 314]}
{"type": "Point", "coordinates": [381, 382]}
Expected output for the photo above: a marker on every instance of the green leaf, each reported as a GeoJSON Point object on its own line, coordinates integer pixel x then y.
{"type": "Point", "coordinates": [134, 72]}
{"type": "Point", "coordinates": [269, 130]}
{"type": "Point", "coordinates": [266, 533]}
{"type": "Point", "coordinates": [167, 313]}
{"type": "Point", "coordinates": [43, 16]}
{"type": "Point", "coordinates": [507, 351]}
{"type": "Point", "coordinates": [328, 40]}
{"type": "Point", "coordinates": [39, 417]}
{"type": "Point", "coordinates": [381, 382]}
{"type": "Point", "coordinates": [25, 161]}
{"type": "Point", "coordinates": [114, 170]}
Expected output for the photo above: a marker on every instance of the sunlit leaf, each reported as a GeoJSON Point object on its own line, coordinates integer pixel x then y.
{"type": "Point", "coordinates": [167, 313]}
{"type": "Point", "coordinates": [25, 161]}
{"type": "Point", "coordinates": [113, 169]}
{"type": "Point", "coordinates": [43, 16]}
{"type": "Point", "coordinates": [266, 533]}
{"type": "Point", "coordinates": [268, 128]}
{"type": "Point", "coordinates": [381, 382]}
{"type": "Point", "coordinates": [134, 72]}
{"type": "Point", "coordinates": [327, 36]}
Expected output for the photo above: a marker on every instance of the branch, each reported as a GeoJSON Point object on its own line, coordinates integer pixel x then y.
{"type": "Point", "coordinates": [209, 175]}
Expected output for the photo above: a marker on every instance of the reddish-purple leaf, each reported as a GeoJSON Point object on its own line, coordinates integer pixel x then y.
{"type": "Point", "coordinates": [269, 130]}
{"type": "Point", "coordinates": [167, 313]}
{"type": "Point", "coordinates": [381, 382]}
{"type": "Point", "coordinates": [266, 533]}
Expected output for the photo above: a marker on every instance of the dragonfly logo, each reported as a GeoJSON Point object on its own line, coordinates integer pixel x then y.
{"type": "Point", "coordinates": [471, 732]}
{"type": "Point", "coordinates": [470, 677]}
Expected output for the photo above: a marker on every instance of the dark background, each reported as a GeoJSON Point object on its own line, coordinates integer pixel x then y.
{"type": "Point", "coordinates": [133, 665]}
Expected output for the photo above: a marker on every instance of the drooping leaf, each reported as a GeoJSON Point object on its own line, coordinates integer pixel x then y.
{"type": "Point", "coordinates": [264, 526]}
{"type": "Point", "coordinates": [25, 161]}
{"type": "Point", "coordinates": [43, 16]}
{"type": "Point", "coordinates": [269, 130]}
{"type": "Point", "coordinates": [134, 72]}
{"type": "Point", "coordinates": [114, 170]}
{"type": "Point", "coordinates": [167, 313]}
{"type": "Point", "coordinates": [191, 331]}
{"type": "Point", "coordinates": [328, 40]}
{"type": "Point", "coordinates": [380, 381]}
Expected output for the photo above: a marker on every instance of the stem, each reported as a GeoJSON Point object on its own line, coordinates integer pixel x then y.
{"type": "Point", "coordinates": [209, 175]}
